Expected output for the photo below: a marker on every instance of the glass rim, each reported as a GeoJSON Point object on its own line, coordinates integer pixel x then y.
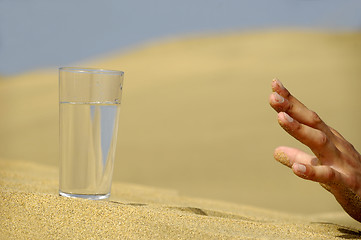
{"type": "Point", "coordinates": [91, 70]}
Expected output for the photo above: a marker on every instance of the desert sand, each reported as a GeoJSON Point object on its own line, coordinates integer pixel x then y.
{"type": "Point", "coordinates": [31, 209]}
{"type": "Point", "coordinates": [196, 138]}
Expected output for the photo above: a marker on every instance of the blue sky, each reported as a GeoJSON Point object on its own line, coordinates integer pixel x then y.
{"type": "Point", "coordinates": [48, 34]}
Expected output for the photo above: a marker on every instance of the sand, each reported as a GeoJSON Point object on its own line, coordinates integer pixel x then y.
{"type": "Point", "coordinates": [31, 209]}
{"type": "Point", "coordinates": [195, 119]}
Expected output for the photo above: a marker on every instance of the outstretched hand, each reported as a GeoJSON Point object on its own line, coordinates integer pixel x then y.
{"type": "Point", "coordinates": [336, 164]}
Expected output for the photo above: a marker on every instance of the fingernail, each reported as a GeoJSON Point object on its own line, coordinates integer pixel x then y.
{"type": "Point", "coordinates": [278, 82]}
{"type": "Point", "coordinates": [299, 168]}
{"type": "Point", "coordinates": [279, 98]}
{"type": "Point", "coordinates": [288, 118]}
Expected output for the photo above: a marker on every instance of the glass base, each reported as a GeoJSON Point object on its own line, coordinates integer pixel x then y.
{"type": "Point", "coordinates": [86, 196]}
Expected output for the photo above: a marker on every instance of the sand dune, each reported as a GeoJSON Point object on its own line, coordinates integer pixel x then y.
{"type": "Point", "coordinates": [32, 209]}
{"type": "Point", "coordinates": [195, 116]}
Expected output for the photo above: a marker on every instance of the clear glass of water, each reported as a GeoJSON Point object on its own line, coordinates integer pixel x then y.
{"type": "Point", "coordinates": [89, 104]}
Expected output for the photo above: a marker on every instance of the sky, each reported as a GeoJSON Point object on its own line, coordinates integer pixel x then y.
{"type": "Point", "coordinates": [48, 34]}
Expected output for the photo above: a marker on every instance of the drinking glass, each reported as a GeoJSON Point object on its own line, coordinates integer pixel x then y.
{"type": "Point", "coordinates": [89, 107]}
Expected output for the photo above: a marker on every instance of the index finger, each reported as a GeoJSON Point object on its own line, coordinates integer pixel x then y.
{"type": "Point", "coordinates": [296, 109]}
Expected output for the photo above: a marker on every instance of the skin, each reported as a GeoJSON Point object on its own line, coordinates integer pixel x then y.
{"type": "Point", "coordinates": [336, 164]}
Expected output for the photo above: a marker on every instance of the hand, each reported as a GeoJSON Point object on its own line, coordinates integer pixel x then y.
{"type": "Point", "coordinates": [336, 164]}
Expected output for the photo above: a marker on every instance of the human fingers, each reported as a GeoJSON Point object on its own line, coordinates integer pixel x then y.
{"type": "Point", "coordinates": [288, 156]}
{"type": "Point", "coordinates": [307, 166]}
{"type": "Point", "coordinates": [283, 101]}
{"type": "Point", "coordinates": [316, 140]}
{"type": "Point", "coordinates": [322, 174]}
